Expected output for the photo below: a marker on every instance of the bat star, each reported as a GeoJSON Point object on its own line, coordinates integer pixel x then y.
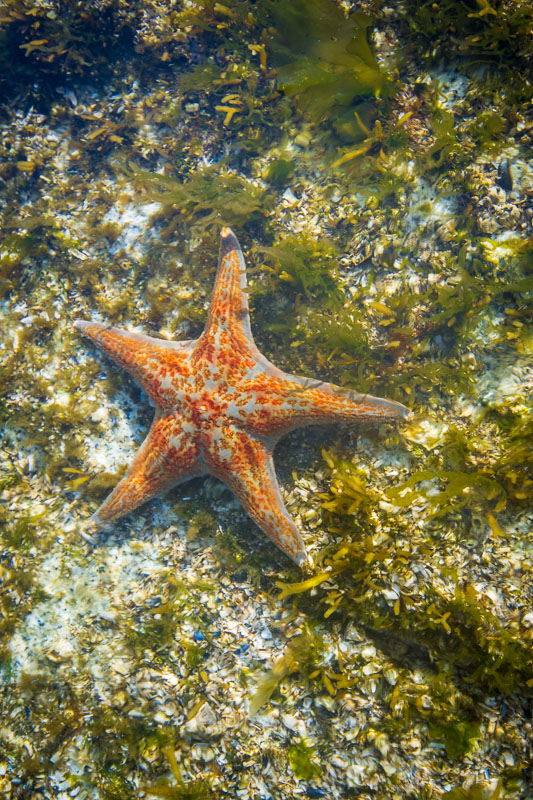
{"type": "Point", "coordinates": [221, 407]}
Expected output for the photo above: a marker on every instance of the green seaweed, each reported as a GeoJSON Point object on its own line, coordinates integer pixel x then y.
{"type": "Point", "coordinates": [459, 737]}
{"type": "Point", "coordinates": [461, 488]}
{"type": "Point", "coordinates": [112, 785]}
{"type": "Point", "coordinates": [22, 533]}
{"type": "Point", "coordinates": [377, 144]}
{"type": "Point", "coordinates": [200, 79]}
{"type": "Point", "coordinates": [515, 462]}
{"type": "Point", "coordinates": [301, 759]}
{"type": "Point", "coordinates": [491, 654]}
{"type": "Point", "coordinates": [340, 333]}
{"type": "Point", "coordinates": [44, 42]}
{"type": "Point", "coordinates": [323, 58]}
{"type": "Point", "coordinates": [153, 628]}
{"type": "Point", "coordinates": [193, 790]}
{"type": "Point", "coordinates": [208, 199]}
{"type": "Point", "coordinates": [348, 487]}
{"type": "Point", "coordinates": [494, 36]}
{"type": "Point", "coordinates": [303, 655]}
{"type": "Point", "coordinates": [280, 170]}
{"type": "Point", "coordinates": [306, 265]}
{"type": "Point", "coordinates": [477, 790]}
{"type": "Point", "coordinates": [199, 789]}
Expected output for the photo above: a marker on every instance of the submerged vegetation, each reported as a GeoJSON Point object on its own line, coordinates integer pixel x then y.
{"type": "Point", "coordinates": [384, 206]}
{"type": "Point", "coordinates": [477, 34]}
{"type": "Point", "coordinates": [323, 59]}
{"type": "Point", "coordinates": [43, 43]}
{"type": "Point", "coordinates": [209, 198]}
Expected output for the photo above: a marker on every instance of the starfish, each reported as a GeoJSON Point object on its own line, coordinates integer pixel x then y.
{"type": "Point", "coordinates": [221, 407]}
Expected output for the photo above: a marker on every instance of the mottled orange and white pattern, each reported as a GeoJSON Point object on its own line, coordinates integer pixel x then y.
{"type": "Point", "coordinates": [221, 407]}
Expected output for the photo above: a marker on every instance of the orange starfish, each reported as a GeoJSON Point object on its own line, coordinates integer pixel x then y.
{"type": "Point", "coordinates": [221, 407]}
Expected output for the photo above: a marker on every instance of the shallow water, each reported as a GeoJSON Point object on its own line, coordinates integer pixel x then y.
{"type": "Point", "coordinates": [378, 173]}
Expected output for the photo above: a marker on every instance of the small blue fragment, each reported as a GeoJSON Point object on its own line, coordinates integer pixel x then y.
{"type": "Point", "coordinates": [198, 636]}
{"type": "Point", "coordinates": [314, 793]}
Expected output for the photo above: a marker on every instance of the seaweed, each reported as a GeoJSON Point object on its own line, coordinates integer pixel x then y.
{"type": "Point", "coordinates": [459, 737]}
{"type": "Point", "coordinates": [153, 628]}
{"type": "Point", "coordinates": [42, 43]}
{"type": "Point", "coordinates": [477, 790]}
{"type": "Point", "coordinates": [112, 785]}
{"type": "Point", "coordinates": [322, 57]}
{"type": "Point", "coordinates": [474, 35]}
{"type": "Point", "coordinates": [514, 465]}
{"type": "Point", "coordinates": [301, 758]}
{"type": "Point", "coordinates": [377, 142]}
{"type": "Point", "coordinates": [355, 579]}
{"type": "Point", "coordinates": [302, 655]}
{"type": "Point", "coordinates": [198, 789]}
{"type": "Point", "coordinates": [349, 488]}
{"type": "Point", "coordinates": [280, 170]}
{"type": "Point", "coordinates": [209, 199]}
{"type": "Point", "coordinates": [340, 334]}
{"type": "Point", "coordinates": [306, 265]}
{"type": "Point", "coordinates": [20, 532]}
{"type": "Point", "coordinates": [460, 488]}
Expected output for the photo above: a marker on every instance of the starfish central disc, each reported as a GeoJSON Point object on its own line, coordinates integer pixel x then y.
{"type": "Point", "coordinates": [221, 408]}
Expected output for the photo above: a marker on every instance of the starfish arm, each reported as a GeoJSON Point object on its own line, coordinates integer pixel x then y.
{"type": "Point", "coordinates": [229, 304]}
{"type": "Point", "coordinates": [320, 402]}
{"type": "Point", "coordinates": [150, 361]}
{"type": "Point", "coordinates": [286, 402]}
{"type": "Point", "coordinates": [168, 456]}
{"type": "Point", "coordinates": [245, 464]}
{"type": "Point", "coordinates": [228, 328]}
